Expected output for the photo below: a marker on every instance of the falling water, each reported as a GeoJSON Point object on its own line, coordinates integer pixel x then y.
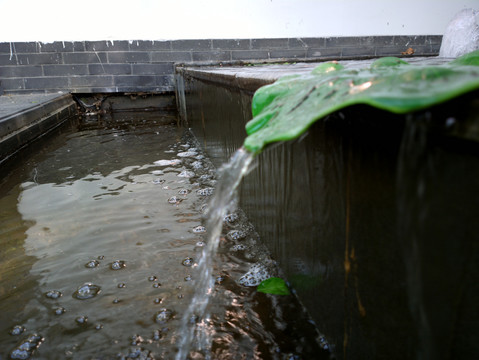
{"type": "Point", "coordinates": [223, 200]}
{"type": "Point", "coordinates": [462, 34]}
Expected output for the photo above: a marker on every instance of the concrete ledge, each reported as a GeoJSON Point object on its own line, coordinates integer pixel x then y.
{"type": "Point", "coordinates": [26, 117]}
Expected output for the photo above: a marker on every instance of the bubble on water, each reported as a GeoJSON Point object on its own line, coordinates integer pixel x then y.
{"type": "Point", "coordinates": [92, 264]}
{"type": "Point", "coordinates": [26, 347]}
{"type": "Point", "coordinates": [20, 354]}
{"type": "Point", "coordinates": [157, 335]}
{"type": "Point", "coordinates": [121, 285]}
{"type": "Point", "coordinates": [236, 235]}
{"type": "Point", "coordinates": [53, 294]}
{"type": "Point", "coordinates": [158, 300]}
{"type": "Point", "coordinates": [152, 278]}
{"type": "Point", "coordinates": [199, 229]}
{"type": "Point", "coordinates": [180, 296]}
{"type": "Point", "coordinates": [256, 274]}
{"type": "Point", "coordinates": [188, 278]}
{"type": "Point", "coordinates": [187, 154]}
{"type": "Point", "coordinates": [117, 265]}
{"type": "Point", "coordinates": [200, 243]}
{"type": "Point", "coordinates": [17, 330]}
{"type": "Point", "coordinates": [204, 178]}
{"type": "Point", "coordinates": [205, 191]}
{"type": "Point", "coordinates": [98, 326]}
{"type": "Point", "coordinates": [158, 181]}
{"type": "Point", "coordinates": [156, 285]}
{"type": "Point", "coordinates": [197, 164]}
{"type": "Point", "coordinates": [116, 301]}
{"type": "Point", "coordinates": [238, 247]}
{"type": "Point", "coordinates": [86, 291]}
{"type": "Point", "coordinates": [174, 200]}
{"type": "Point", "coordinates": [101, 257]}
{"type": "Point", "coordinates": [59, 310]}
{"type": "Point", "coordinates": [186, 174]}
{"type": "Point", "coordinates": [81, 320]}
{"type": "Point", "coordinates": [167, 162]}
{"type": "Point", "coordinates": [183, 192]}
{"type": "Point", "coordinates": [188, 261]}
{"type": "Point", "coordinates": [163, 316]}
{"type": "Point", "coordinates": [136, 339]}
{"type": "Point", "coordinates": [231, 218]}
{"type": "Point", "coordinates": [136, 353]}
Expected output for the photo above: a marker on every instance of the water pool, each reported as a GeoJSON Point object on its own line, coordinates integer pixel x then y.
{"type": "Point", "coordinates": [116, 204]}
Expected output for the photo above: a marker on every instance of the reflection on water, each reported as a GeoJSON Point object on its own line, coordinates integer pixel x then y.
{"type": "Point", "coordinates": [93, 252]}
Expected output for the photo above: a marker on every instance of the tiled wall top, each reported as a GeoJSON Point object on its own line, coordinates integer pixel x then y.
{"type": "Point", "coordinates": [123, 66]}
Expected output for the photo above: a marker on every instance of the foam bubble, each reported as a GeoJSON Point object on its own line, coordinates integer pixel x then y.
{"type": "Point", "coordinates": [92, 264]}
{"type": "Point", "coordinates": [256, 274]}
{"type": "Point", "coordinates": [199, 229]}
{"type": "Point", "coordinates": [174, 200]}
{"type": "Point", "coordinates": [186, 174]}
{"type": "Point", "coordinates": [231, 218]}
{"type": "Point", "coordinates": [188, 261]}
{"type": "Point", "coordinates": [86, 291]}
{"type": "Point", "coordinates": [205, 191]}
{"type": "Point", "coordinates": [239, 247]}
{"type": "Point", "coordinates": [53, 294]}
{"type": "Point", "coordinates": [117, 265]}
{"type": "Point", "coordinates": [187, 154]}
{"type": "Point", "coordinates": [17, 330]}
{"type": "Point", "coordinates": [236, 235]}
{"type": "Point", "coordinates": [163, 316]}
{"type": "Point", "coordinates": [167, 162]}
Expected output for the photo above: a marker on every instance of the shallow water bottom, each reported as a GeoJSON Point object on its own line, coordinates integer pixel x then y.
{"type": "Point", "coordinates": [101, 230]}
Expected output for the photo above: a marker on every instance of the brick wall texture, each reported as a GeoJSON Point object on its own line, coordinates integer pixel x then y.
{"type": "Point", "coordinates": [148, 66]}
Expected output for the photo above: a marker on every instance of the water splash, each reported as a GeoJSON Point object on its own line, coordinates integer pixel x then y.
{"type": "Point", "coordinates": [220, 204]}
{"type": "Point", "coordinates": [461, 35]}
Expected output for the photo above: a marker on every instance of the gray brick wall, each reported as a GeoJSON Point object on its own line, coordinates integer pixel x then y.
{"type": "Point", "coordinates": [148, 66]}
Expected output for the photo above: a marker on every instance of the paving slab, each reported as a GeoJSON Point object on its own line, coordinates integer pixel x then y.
{"type": "Point", "coordinates": [251, 77]}
{"type": "Point", "coordinates": [12, 104]}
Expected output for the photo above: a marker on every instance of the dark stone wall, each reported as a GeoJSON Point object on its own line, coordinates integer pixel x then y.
{"type": "Point", "coordinates": [148, 66]}
{"type": "Point", "coordinates": [370, 217]}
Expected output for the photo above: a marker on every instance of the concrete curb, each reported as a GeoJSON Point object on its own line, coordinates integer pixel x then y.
{"type": "Point", "coordinates": [28, 119]}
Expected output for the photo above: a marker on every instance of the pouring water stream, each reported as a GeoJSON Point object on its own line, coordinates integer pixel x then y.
{"type": "Point", "coordinates": [230, 176]}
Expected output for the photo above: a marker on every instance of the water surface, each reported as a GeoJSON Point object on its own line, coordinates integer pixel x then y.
{"type": "Point", "coordinates": [101, 234]}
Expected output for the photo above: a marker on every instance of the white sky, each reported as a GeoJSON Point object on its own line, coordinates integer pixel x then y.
{"type": "Point", "coordinates": [67, 20]}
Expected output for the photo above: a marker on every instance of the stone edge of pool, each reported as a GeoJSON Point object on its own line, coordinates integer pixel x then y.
{"type": "Point", "coordinates": [23, 118]}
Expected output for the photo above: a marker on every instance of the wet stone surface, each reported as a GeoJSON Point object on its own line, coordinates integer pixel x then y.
{"type": "Point", "coordinates": [123, 233]}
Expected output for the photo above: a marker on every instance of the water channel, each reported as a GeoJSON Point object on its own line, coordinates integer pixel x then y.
{"type": "Point", "coordinates": [102, 229]}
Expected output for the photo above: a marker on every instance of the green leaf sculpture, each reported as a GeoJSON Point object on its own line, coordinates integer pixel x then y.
{"type": "Point", "coordinates": [286, 109]}
{"type": "Point", "coordinates": [273, 285]}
